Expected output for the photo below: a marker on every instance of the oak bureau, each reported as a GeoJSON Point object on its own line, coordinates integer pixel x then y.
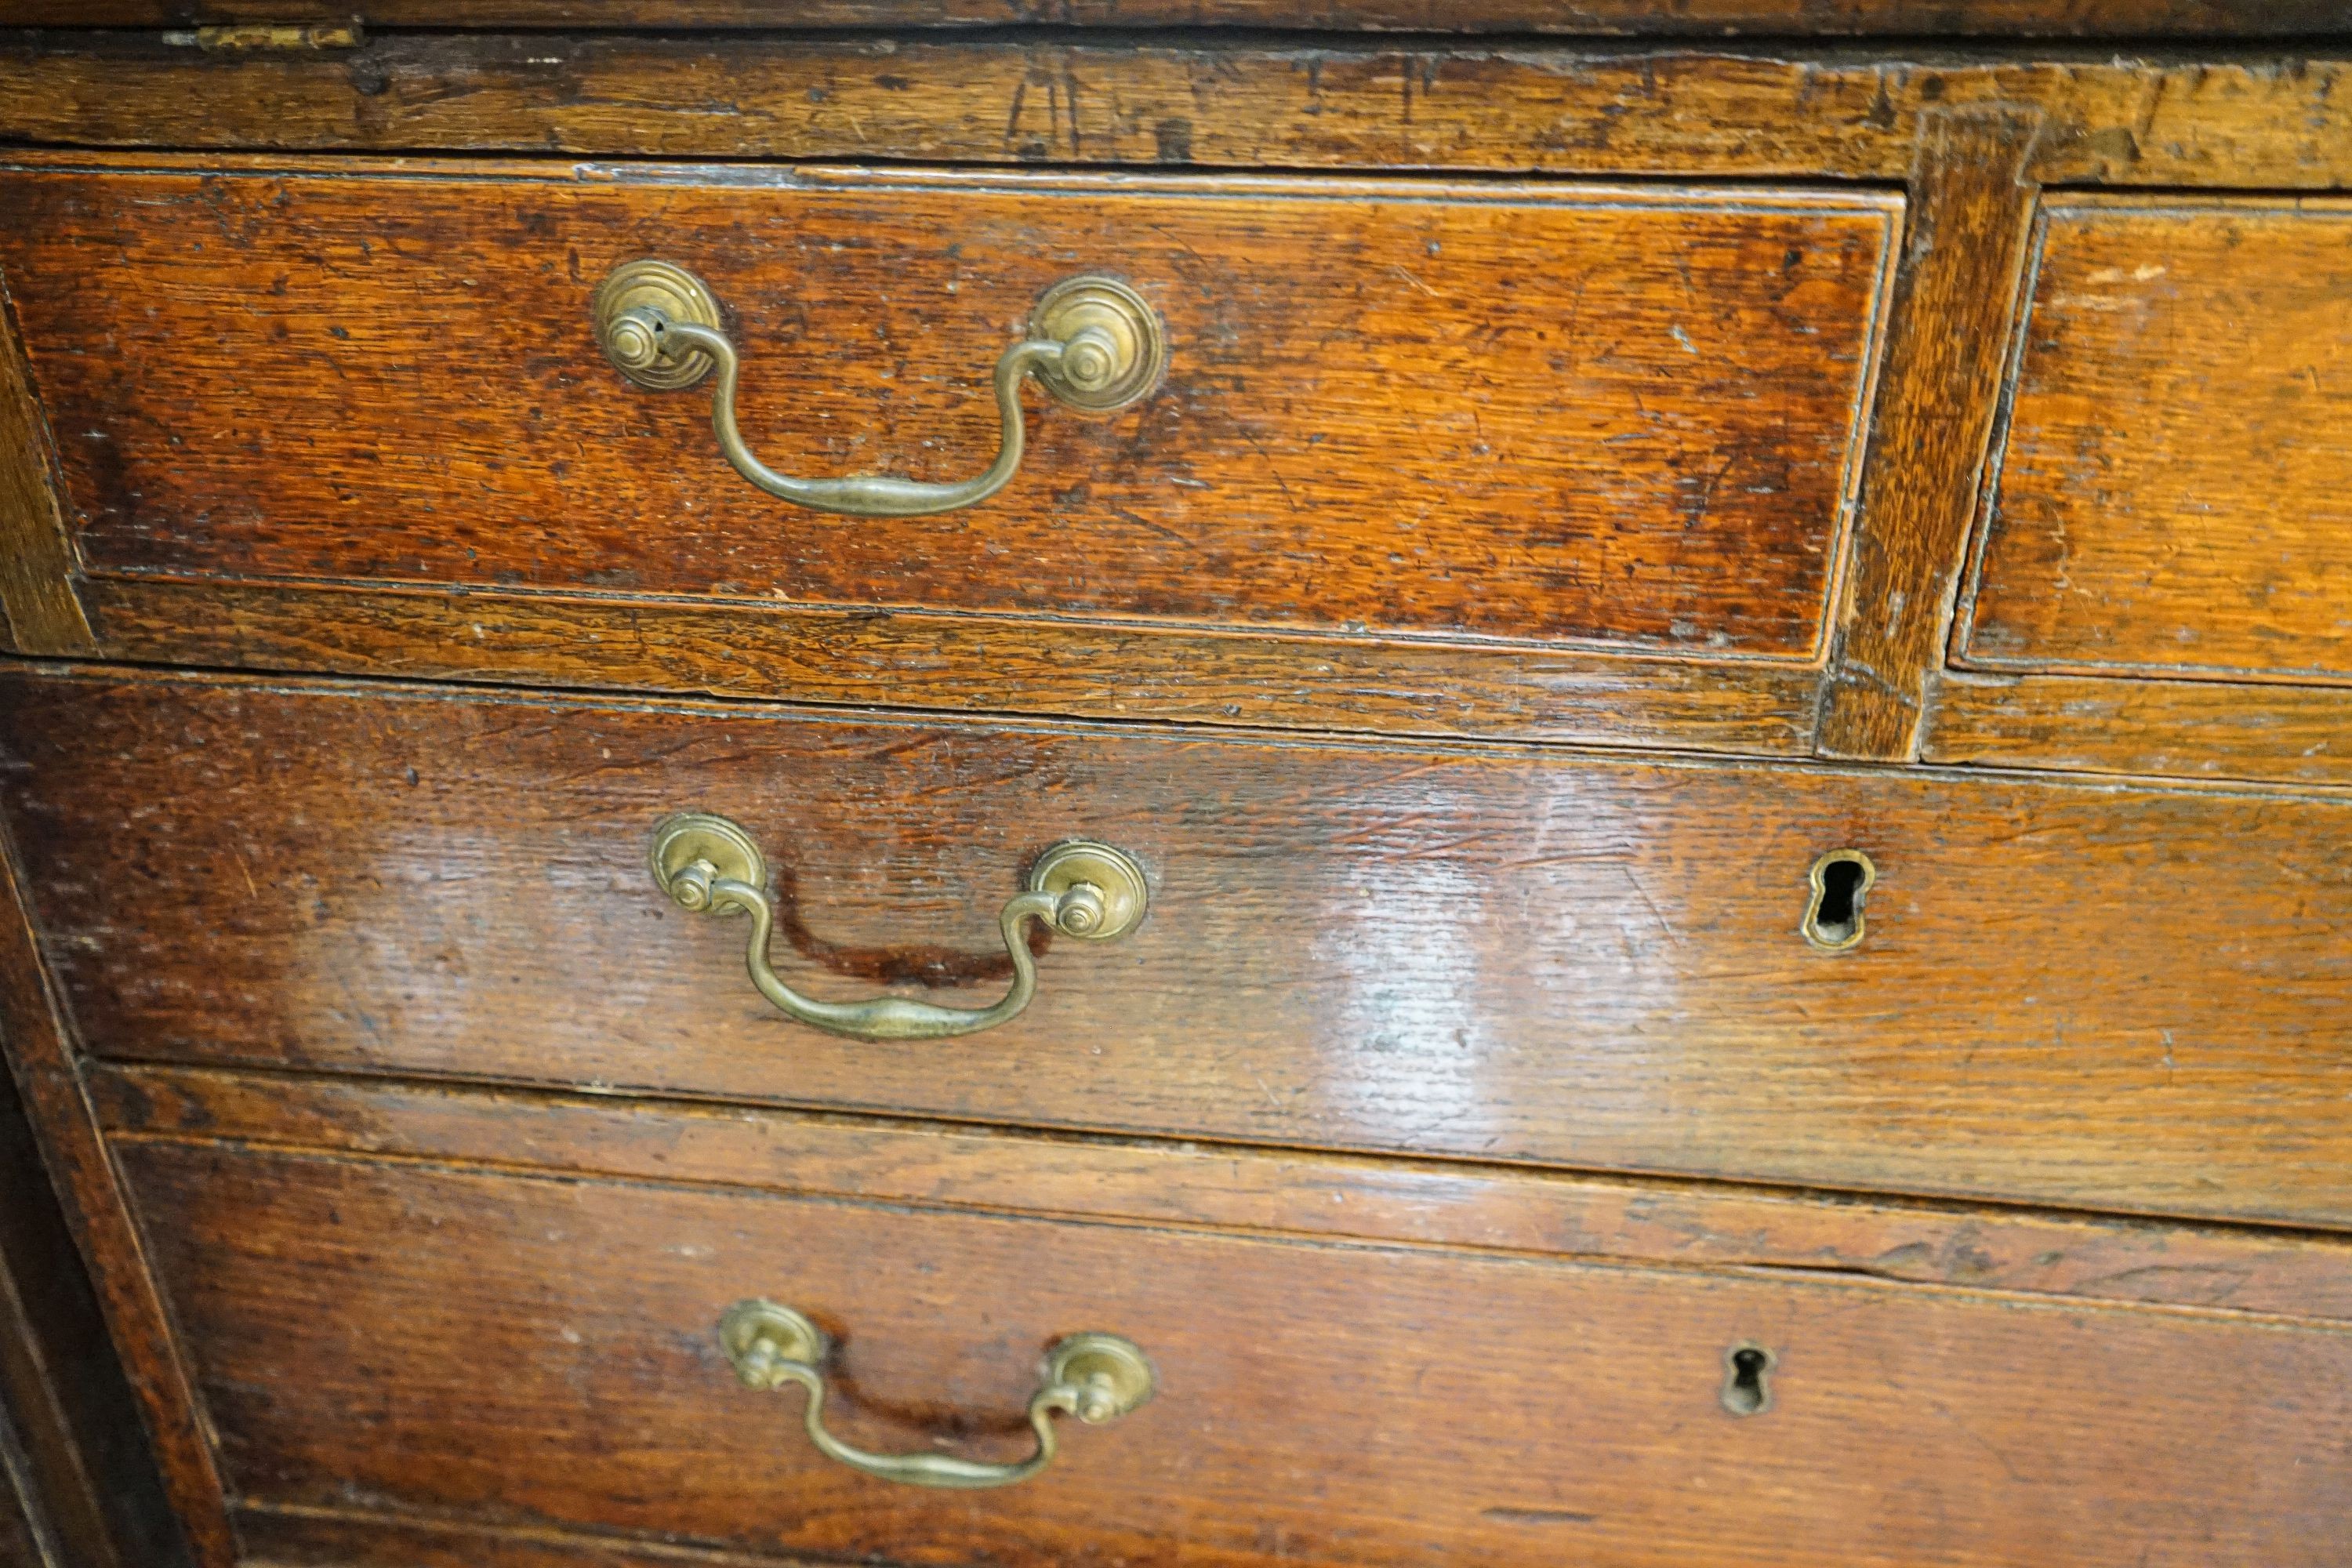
{"type": "Point", "coordinates": [1191, 783]}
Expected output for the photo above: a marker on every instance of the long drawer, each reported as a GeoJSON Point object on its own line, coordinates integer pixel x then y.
{"type": "Point", "coordinates": [1484, 441]}
{"type": "Point", "coordinates": [2122, 998]}
{"type": "Point", "coordinates": [381, 1338]}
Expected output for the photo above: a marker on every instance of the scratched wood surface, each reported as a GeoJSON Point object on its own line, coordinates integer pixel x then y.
{"type": "Point", "coordinates": [340, 950]}
{"type": "Point", "coordinates": [2174, 493]}
{"type": "Point", "coordinates": [1501, 1208]}
{"type": "Point", "coordinates": [968, 663]}
{"type": "Point", "coordinates": [1612, 417]}
{"type": "Point", "coordinates": [527, 1348]}
{"type": "Point", "coordinates": [2066, 994]}
{"type": "Point", "coordinates": [2102, 724]}
{"type": "Point", "coordinates": [1682, 110]}
{"type": "Point", "coordinates": [2026, 18]}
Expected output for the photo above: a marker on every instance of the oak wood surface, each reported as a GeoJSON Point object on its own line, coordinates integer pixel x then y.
{"type": "Point", "coordinates": [1517, 968]}
{"type": "Point", "coordinates": [2171, 494]}
{"type": "Point", "coordinates": [527, 1349]}
{"type": "Point", "coordinates": [2067, 993]}
{"type": "Point", "coordinates": [2197, 729]}
{"type": "Point", "coordinates": [1792, 113]}
{"type": "Point", "coordinates": [968, 663]}
{"type": "Point", "coordinates": [1609, 417]}
{"type": "Point", "coordinates": [1963, 242]}
{"type": "Point", "coordinates": [2024, 18]}
{"type": "Point", "coordinates": [1424, 1203]}
{"type": "Point", "coordinates": [47, 1070]}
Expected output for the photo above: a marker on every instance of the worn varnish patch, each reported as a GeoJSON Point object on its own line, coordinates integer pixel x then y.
{"type": "Point", "coordinates": [1553, 414]}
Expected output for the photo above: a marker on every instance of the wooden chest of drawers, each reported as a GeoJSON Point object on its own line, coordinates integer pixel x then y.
{"type": "Point", "coordinates": [883, 781]}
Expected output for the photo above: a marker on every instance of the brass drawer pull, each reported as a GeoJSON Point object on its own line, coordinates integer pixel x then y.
{"type": "Point", "coordinates": [1095, 1377]}
{"type": "Point", "coordinates": [1092, 340]}
{"type": "Point", "coordinates": [1088, 891]}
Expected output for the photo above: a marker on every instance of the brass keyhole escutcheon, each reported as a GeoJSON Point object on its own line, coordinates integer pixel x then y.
{"type": "Point", "coordinates": [1747, 1379]}
{"type": "Point", "coordinates": [1840, 880]}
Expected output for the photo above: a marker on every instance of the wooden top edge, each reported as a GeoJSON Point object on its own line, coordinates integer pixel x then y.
{"type": "Point", "coordinates": [509, 40]}
{"type": "Point", "coordinates": [2154, 115]}
{"type": "Point", "coordinates": [2083, 19]}
{"type": "Point", "coordinates": [1881, 201]}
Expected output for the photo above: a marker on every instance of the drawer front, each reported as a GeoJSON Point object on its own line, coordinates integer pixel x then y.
{"type": "Point", "coordinates": [2101, 996]}
{"type": "Point", "coordinates": [1539, 413]}
{"type": "Point", "coordinates": [538, 1349]}
{"type": "Point", "coordinates": [2174, 492]}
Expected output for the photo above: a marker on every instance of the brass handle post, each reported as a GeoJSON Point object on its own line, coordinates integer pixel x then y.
{"type": "Point", "coordinates": [1082, 889]}
{"type": "Point", "coordinates": [1095, 1377]}
{"type": "Point", "coordinates": [1092, 340]}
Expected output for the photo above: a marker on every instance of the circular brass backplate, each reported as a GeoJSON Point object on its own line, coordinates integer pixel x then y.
{"type": "Point", "coordinates": [698, 836]}
{"type": "Point", "coordinates": [674, 291]}
{"type": "Point", "coordinates": [1124, 1376]}
{"type": "Point", "coordinates": [788, 1334]}
{"type": "Point", "coordinates": [1119, 323]}
{"type": "Point", "coordinates": [1111, 872]}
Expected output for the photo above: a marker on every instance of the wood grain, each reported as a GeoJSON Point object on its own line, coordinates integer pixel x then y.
{"type": "Point", "coordinates": [36, 589]}
{"type": "Point", "coordinates": [1788, 112]}
{"type": "Point", "coordinates": [2174, 493]}
{"type": "Point", "coordinates": [2025, 19]}
{"type": "Point", "coordinates": [968, 663]}
{"type": "Point", "coordinates": [1422, 1203]}
{"type": "Point", "coordinates": [1541, 414]}
{"type": "Point", "coordinates": [48, 1075]}
{"type": "Point", "coordinates": [2194, 728]}
{"type": "Point", "coordinates": [1962, 249]}
{"type": "Point", "coordinates": [525, 1349]}
{"type": "Point", "coordinates": [2068, 993]}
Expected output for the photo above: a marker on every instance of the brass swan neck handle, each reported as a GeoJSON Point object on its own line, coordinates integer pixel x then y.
{"type": "Point", "coordinates": [1096, 1377]}
{"type": "Point", "coordinates": [1093, 342]}
{"type": "Point", "coordinates": [1092, 891]}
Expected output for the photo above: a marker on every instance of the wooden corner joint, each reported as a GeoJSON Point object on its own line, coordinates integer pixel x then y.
{"type": "Point", "coordinates": [37, 588]}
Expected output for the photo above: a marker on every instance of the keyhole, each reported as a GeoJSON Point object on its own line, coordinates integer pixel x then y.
{"type": "Point", "coordinates": [1748, 1380]}
{"type": "Point", "coordinates": [1833, 917]}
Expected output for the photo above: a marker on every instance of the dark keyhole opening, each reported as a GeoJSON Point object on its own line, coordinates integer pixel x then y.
{"type": "Point", "coordinates": [1841, 888]}
{"type": "Point", "coordinates": [1747, 1384]}
{"type": "Point", "coordinates": [1841, 877]}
